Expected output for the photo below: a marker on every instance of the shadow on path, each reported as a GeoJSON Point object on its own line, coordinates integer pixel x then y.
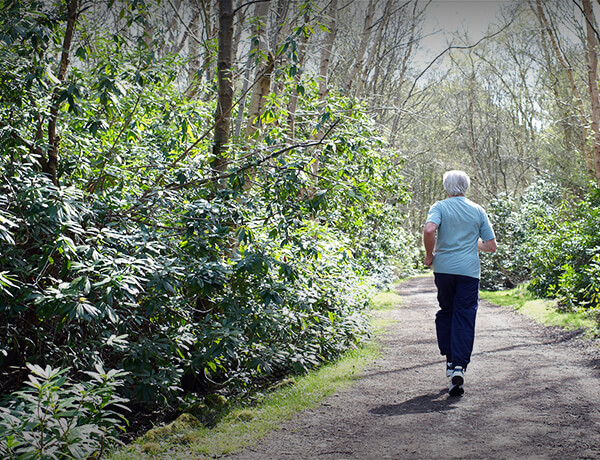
{"type": "Point", "coordinates": [532, 393]}
{"type": "Point", "coordinates": [433, 402]}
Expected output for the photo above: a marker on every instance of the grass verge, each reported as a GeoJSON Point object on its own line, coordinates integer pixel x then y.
{"type": "Point", "coordinates": [385, 300]}
{"type": "Point", "coordinates": [244, 425]}
{"type": "Point", "coordinates": [543, 311]}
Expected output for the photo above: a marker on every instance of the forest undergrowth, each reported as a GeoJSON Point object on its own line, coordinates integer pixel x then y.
{"type": "Point", "coordinates": [139, 279]}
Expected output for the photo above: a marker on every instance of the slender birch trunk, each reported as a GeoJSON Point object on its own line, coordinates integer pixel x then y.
{"type": "Point", "coordinates": [404, 67]}
{"type": "Point", "coordinates": [293, 104]}
{"type": "Point", "coordinates": [365, 70]}
{"type": "Point", "coordinates": [593, 85]}
{"type": "Point", "coordinates": [323, 82]}
{"type": "Point", "coordinates": [209, 33]}
{"type": "Point", "coordinates": [281, 26]}
{"type": "Point", "coordinates": [263, 70]}
{"type": "Point", "coordinates": [327, 49]}
{"type": "Point", "coordinates": [364, 40]}
{"type": "Point", "coordinates": [194, 50]}
{"type": "Point", "coordinates": [241, 18]}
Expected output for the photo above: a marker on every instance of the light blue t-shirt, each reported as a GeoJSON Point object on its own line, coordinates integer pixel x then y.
{"type": "Point", "coordinates": [460, 223]}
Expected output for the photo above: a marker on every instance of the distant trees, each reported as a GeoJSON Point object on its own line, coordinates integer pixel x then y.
{"type": "Point", "coordinates": [570, 54]}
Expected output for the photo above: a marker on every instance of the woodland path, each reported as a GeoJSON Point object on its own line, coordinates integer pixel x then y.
{"type": "Point", "coordinates": [531, 392]}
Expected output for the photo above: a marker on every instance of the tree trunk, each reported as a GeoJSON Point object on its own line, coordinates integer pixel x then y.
{"type": "Point", "coordinates": [242, 103]}
{"type": "Point", "coordinates": [367, 67]}
{"type": "Point", "coordinates": [364, 40]}
{"type": "Point", "coordinates": [194, 51]}
{"type": "Point", "coordinates": [50, 167]}
{"type": "Point", "coordinates": [411, 41]}
{"type": "Point", "coordinates": [293, 104]}
{"type": "Point", "coordinates": [225, 83]}
{"type": "Point", "coordinates": [593, 85]}
{"type": "Point", "coordinates": [281, 26]}
{"type": "Point", "coordinates": [173, 28]}
{"type": "Point", "coordinates": [209, 30]}
{"type": "Point", "coordinates": [241, 18]}
{"type": "Point", "coordinates": [568, 70]}
{"type": "Point", "coordinates": [404, 68]}
{"type": "Point", "coordinates": [327, 49]}
{"type": "Point", "coordinates": [264, 68]}
{"type": "Point", "coordinates": [323, 86]}
{"type": "Point", "coordinates": [472, 145]}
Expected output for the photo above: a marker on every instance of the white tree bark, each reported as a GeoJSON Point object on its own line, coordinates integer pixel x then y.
{"type": "Point", "coordinates": [327, 50]}
{"type": "Point", "coordinates": [364, 40]}
{"type": "Point", "coordinates": [262, 80]}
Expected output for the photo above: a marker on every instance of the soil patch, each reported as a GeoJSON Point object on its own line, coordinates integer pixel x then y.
{"type": "Point", "coordinates": [530, 392]}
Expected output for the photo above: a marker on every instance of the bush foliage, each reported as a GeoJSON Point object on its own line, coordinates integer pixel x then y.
{"type": "Point", "coordinates": [140, 258]}
{"type": "Point", "coordinates": [56, 418]}
{"type": "Point", "coordinates": [550, 240]}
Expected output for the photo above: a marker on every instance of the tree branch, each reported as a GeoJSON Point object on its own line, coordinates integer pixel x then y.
{"type": "Point", "coordinates": [588, 20]}
{"type": "Point", "coordinates": [244, 5]}
{"type": "Point", "coordinates": [452, 47]}
{"type": "Point", "coordinates": [253, 164]}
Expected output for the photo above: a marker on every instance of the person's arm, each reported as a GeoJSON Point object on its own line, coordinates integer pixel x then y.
{"type": "Point", "coordinates": [429, 242]}
{"type": "Point", "coordinates": [487, 246]}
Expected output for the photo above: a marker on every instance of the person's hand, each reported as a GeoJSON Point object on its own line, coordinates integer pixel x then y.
{"type": "Point", "coordinates": [428, 260]}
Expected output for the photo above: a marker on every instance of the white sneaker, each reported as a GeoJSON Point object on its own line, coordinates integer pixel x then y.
{"type": "Point", "coordinates": [449, 369]}
{"type": "Point", "coordinates": [457, 379]}
{"type": "Point", "coordinates": [458, 376]}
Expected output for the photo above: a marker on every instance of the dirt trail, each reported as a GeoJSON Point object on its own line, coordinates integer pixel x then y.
{"type": "Point", "coordinates": [530, 393]}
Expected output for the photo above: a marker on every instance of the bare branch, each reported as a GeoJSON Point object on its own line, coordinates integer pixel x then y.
{"type": "Point", "coordinates": [244, 5]}
{"type": "Point", "coordinates": [588, 20]}
{"type": "Point", "coordinates": [452, 47]}
{"type": "Point", "coordinates": [254, 164]}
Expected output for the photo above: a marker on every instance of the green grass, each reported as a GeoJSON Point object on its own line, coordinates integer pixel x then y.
{"type": "Point", "coordinates": [245, 425]}
{"type": "Point", "coordinates": [385, 300]}
{"type": "Point", "coordinates": [543, 311]}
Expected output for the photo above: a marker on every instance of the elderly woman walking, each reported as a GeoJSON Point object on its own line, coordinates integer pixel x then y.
{"type": "Point", "coordinates": [456, 228]}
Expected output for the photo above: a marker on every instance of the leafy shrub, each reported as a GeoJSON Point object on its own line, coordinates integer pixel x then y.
{"type": "Point", "coordinates": [565, 264]}
{"type": "Point", "coordinates": [56, 418]}
{"type": "Point", "coordinates": [550, 241]}
{"type": "Point", "coordinates": [141, 259]}
{"type": "Point", "coordinates": [521, 226]}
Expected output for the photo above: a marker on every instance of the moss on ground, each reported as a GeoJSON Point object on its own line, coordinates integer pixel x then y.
{"type": "Point", "coordinates": [544, 311]}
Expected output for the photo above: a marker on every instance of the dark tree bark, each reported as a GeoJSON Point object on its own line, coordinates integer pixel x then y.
{"type": "Point", "coordinates": [50, 166]}
{"type": "Point", "coordinates": [225, 83]}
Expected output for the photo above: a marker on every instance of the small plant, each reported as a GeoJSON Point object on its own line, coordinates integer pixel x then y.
{"type": "Point", "coordinates": [57, 418]}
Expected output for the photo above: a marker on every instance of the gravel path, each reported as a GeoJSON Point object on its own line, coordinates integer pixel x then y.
{"type": "Point", "coordinates": [530, 393]}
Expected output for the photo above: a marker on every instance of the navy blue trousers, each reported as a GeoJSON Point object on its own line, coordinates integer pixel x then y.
{"type": "Point", "coordinates": [458, 296]}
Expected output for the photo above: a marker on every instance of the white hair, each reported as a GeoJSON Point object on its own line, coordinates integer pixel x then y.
{"type": "Point", "coordinates": [456, 182]}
